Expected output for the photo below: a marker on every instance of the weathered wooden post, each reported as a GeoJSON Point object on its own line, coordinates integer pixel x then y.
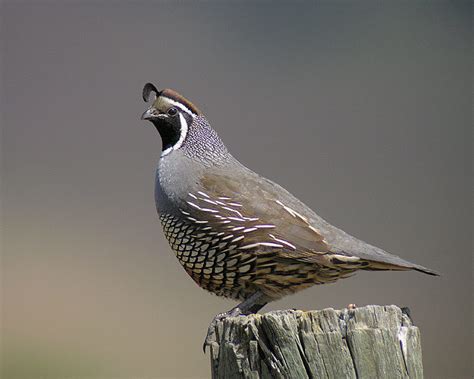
{"type": "Point", "coordinates": [368, 342]}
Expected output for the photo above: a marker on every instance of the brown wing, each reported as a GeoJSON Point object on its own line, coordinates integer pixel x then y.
{"type": "Point", "coordinates": [268, 215]}
{"type": "Point", "coordinates": [251, 214]}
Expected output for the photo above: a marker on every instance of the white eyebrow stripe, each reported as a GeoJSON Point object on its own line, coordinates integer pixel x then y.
{"type": "Point", "coordinates": [180, 106]}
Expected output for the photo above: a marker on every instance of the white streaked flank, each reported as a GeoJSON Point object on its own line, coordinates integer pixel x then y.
{"type": "Point", "coordinates": [203, 194]}
{"type": "Point", "coordinates": [233, 210]}
{"type": "Point", "coordinates": [248, 230]}
{"type": "Point", "coordinates": [236, 219]}
{"type": "Point", "coordinates": [235, 204]}
{"type": "Point", "coordinates": [283, 242]}
{"type": "Point", "coordinates": [210, 201]}
{"type": "Point", "coordinates": [251, 246]}
{"type": "Point", "coordinates": [292, 211]}
{"type": "Point", "coordinates": [202, 209]}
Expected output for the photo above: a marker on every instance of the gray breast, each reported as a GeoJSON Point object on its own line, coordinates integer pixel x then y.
{"type": "Point", "coordinates": [176, 176]}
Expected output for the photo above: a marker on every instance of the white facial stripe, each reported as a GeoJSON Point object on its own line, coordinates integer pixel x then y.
{"type": "Point", "coordinates": [166, 152]}
{"type": "Point", "coordinates": [182, 136]}
{"type": "Point", "coordinates": [180, 106]}
{"type": "Point", "coordinates": [184, 132]}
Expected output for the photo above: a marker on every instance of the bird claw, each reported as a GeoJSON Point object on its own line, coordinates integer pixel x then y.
{"type": "Point", "coordinates": [211, 335]}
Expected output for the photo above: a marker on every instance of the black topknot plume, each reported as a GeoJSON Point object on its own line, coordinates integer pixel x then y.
{"type": "Point", "coordinates": [147, 90]}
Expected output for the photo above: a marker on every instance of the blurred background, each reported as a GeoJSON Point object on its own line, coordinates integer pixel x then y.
{"type": "Point", "coordinates": [362, 110]}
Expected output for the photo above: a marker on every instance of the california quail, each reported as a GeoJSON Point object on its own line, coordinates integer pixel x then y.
{"type": "Point", "coordinates": [236, 233]}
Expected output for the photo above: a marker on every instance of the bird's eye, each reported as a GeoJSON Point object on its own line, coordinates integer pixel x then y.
{"type": "Point", "coordinates": [172, 111]}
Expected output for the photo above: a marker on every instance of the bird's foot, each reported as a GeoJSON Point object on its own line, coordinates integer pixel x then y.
{"type": "Point", "coordinates": [211, 331]}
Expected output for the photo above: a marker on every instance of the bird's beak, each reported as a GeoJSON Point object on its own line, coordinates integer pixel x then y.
{"type": "Point", "coordinates": [151, 114]}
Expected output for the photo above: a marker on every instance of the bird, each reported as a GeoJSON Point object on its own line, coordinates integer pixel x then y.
{"type": "Point", "coordinates": [236, 233]}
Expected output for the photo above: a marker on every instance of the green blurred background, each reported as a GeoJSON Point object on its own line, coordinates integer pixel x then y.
{"type": "Point", "coordinates": [361, 109]}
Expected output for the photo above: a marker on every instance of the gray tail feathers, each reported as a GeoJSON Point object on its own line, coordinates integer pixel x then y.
{"type": "Point", "coordinates": [405, 266]}
{"type": "Point", "coordinates": [425, 270]}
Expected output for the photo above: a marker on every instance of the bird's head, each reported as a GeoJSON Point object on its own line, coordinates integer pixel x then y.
{"type": "Point", "coordinates": [172, 115]}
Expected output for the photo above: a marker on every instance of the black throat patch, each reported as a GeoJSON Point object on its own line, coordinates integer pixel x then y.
{"type": "Point", "coordinates": [169, 132]}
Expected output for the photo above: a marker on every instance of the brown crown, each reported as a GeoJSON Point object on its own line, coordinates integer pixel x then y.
{"type": "Point", "coordinates": [173, 95]}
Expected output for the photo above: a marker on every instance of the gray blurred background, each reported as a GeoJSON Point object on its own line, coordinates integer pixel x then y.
{"type": "Point", "coordinates": [362, 110]}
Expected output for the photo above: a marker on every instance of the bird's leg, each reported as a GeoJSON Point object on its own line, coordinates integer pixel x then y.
{"type": "Point", "coordinates": [252, 304]}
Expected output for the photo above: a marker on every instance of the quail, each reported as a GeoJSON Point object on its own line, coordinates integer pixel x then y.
{"type": "Point", "coordinates": [236, 233]}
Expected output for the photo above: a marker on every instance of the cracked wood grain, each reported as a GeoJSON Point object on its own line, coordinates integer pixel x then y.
{"type": "Point", "coordinates": [368, 342]}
